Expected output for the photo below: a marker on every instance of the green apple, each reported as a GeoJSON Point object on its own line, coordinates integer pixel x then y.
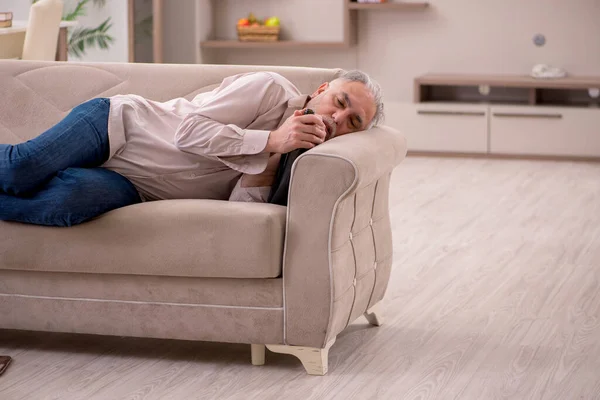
{"type": "Point", "coordinates": [273, 21]}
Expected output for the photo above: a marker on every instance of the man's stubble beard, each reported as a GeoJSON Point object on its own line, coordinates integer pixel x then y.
{"type": "Point", "coordinates": [313, 104]}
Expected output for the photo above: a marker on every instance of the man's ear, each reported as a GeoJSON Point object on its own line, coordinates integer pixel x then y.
{"type": "Point", "coordinates": [324, 86]}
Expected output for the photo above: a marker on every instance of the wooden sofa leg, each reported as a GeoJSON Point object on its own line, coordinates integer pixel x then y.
{"type": "Point", "coordinates": [375, 315]}
{"type": "Point", "coordinates": [258, 354]}
{"type": "Point", "coordinates": [314, 360]}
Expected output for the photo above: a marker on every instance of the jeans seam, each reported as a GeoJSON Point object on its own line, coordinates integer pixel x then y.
{"type": "Point", "coordinates": [102, 151]}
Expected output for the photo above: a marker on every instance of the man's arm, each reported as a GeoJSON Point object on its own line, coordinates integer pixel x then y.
{"type": "Point", "coordinates": [217, 129]}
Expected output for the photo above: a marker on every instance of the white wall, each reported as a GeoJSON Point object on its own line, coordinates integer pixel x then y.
{"type": "Point", "coordinates": [117, 9]}
{"type": "Point", "coordinates": [19, 8]}
{"type": "Point", "coordinates": [451, 36]}
{"type": "Point", "coordinates": [483, 36]}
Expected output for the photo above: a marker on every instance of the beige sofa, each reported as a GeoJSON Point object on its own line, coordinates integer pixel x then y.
{"type": "Point", "coordinates": [289, 278]}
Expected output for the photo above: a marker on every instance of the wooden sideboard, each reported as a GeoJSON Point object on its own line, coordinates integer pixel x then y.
{"type": "Point", "coordinates": [503, 115]}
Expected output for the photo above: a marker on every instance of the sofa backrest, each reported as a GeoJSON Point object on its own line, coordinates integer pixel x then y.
{"type": "Point", "coordinates": [35, 95]}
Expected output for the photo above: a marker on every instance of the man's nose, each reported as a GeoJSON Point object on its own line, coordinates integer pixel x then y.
{"type": "Point", "coordinates": [340, 115]}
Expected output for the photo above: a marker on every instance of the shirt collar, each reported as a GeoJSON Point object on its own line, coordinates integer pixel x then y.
{"type": "Point", "coordinates": [294, 104]}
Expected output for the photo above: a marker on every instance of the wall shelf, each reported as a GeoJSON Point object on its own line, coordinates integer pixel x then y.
{"type": "Point", "coordinates": [506, 89]}
{"type": "Point", "coordinates": [349, 29]}
{"type": "Point", "coordinates": [388, 6]}
{"type": "Point", "coordinates": [282, 44]}
{"type": "Point", "coordinates": [576, 82]}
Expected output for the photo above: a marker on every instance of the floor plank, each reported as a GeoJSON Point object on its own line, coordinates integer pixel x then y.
{"type": "Point", "coordinates": [495, 294]}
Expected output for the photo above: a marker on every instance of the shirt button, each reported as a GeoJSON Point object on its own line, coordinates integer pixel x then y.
{"type": "Point", "coordinates": [192, 175]}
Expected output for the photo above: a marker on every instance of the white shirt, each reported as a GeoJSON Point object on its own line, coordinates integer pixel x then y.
{"type": "Point", "coordinates": [198, 149]}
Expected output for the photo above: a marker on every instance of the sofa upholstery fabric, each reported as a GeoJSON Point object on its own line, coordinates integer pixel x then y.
{"type": "Point", "coordinates": [211, 239]}
{"type": "Point", "coordinates": [200, 269]}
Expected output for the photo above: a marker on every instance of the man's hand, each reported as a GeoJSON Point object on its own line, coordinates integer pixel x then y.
{"type": "Point", "coordinates": [297, 132]}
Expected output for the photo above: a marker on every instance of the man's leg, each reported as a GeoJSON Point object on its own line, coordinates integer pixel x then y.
{"type": "Point", "coordinates": [71, 197]}
{"type": "Point", "coordinates": [79, 140]}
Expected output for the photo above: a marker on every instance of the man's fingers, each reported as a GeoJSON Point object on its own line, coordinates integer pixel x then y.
{"type": "Point", "coordinates": [308, 137]}
{"type": "Point", "coordinates": [314, 130]}
{"type": "Point", "coordinates": [312, 119]}
{"type": "Point", "coordinates": [319, 131]}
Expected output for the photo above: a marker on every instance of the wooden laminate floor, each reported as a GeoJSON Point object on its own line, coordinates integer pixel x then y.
{"type": "Point", "coordinates": [495, 294]}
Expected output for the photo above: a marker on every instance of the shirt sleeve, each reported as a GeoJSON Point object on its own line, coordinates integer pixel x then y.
{"type": "Point", "coordinates": [251, 194]}
{"type": "Point", "coordinates": [217, 128]}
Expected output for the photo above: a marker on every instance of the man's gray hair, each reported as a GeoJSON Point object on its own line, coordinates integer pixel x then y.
{"type": "Point", "coordinates": [374, 88]}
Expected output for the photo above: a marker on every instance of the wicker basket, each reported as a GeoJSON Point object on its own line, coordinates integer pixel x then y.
{"type": "Point", "coordinates": [6, 19]}
{"type": "Point", "coordinates": [258, 33]}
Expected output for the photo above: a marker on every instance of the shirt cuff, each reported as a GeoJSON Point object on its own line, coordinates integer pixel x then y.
{"type": "Point", "coordinates": [254, 141]}
{"type": "Point", "coordinates": [253, 164]}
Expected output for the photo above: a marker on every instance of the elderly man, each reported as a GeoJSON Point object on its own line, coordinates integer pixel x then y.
{"type": "Point", "coordinates": [113, 152]}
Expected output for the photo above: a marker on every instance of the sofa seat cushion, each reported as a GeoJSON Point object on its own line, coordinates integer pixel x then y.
{"type": "Point", "coordinates": [193, 238]}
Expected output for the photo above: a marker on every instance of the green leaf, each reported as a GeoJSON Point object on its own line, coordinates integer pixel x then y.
{"type": "Point", "coordinates": [79, 11]}
{"type": "Point", "coordinates": [83, 38]}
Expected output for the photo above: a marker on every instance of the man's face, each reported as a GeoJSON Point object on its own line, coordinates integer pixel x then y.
{"type": "Point", "coordinates": [345, 106]}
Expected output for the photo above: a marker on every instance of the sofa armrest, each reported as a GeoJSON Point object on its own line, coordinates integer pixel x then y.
{"type": "Point", "coordinates": [338, 249]}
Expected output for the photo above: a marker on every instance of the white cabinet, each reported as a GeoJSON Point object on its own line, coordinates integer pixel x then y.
{"type": "Point", "coordinates": [441, 127]}
{"type": "Point", "coordinates": [517, 114]}
{"type": "Point", "coordinates": [498, 129]}
{"type": "Point", "coordinates": [535, 130]}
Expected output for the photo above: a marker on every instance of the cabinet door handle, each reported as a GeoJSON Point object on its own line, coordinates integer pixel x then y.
{"type": "Point", "coordinates": [520, 115]}
{"type": "Point", "coordinates": [442, 112]}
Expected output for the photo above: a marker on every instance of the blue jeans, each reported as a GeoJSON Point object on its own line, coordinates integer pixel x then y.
{"type": "Point", "coordinates": [55, 178]}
